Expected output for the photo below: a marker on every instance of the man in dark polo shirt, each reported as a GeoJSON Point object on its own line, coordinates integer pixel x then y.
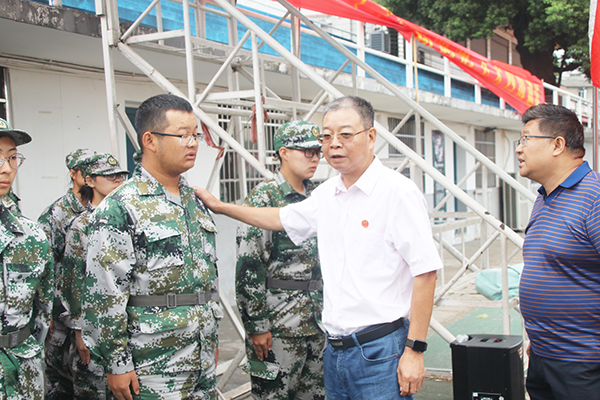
{"type": "Point", "coordinates": [560, 284]}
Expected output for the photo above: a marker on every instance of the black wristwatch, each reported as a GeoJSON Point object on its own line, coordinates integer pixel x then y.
{"type": "Point", "coordinates": [417, 345]}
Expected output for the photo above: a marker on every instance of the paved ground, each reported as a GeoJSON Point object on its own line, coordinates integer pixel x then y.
{"type": "Point", "coordinates": [458, 319]}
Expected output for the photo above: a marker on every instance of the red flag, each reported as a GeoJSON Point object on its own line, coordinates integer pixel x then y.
{"type": "Point", "coordinates": [253, 128]}
{"type": "Point", "coordinates": [516, 86]}
{"type": "Point", "coordinates": [209, 140]}
{"type": "Point", "coordinates": [594, 33]}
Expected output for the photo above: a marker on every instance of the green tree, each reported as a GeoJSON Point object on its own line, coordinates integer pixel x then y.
{"type": "Point", "coordinates": [540, 26]}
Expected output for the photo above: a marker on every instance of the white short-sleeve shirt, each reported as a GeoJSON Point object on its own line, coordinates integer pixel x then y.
{"type": "Point", "coordinates": [374, 238]}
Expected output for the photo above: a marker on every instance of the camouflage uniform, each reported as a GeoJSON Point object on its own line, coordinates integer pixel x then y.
{"type": "Point", "coordinates": [26, 293]}
{"type": "Point", "coordinates": [89, 381]}
{"type": "Point", "coordinates": [55, 221]}
{"type": "Point", "coordinates": [143, 241]}
{"type": "Point", "coordinates": [294, 370]}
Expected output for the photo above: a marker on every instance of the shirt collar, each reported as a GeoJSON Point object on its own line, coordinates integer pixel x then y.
{"type": "Point", "coordinates": [9, 222]}
{"type": "Point", "coordinates": [149, 186]}
{"type": "Point", "coordinates": [366, 182]}
{"type": "Point", "coordinates": [74, 202]}
{"type": "Point", "coordinates": [285, 186]}
{"type": "Point", "coordinates": [576, 176]}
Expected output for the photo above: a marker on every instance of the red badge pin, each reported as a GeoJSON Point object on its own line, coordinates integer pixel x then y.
{"type": "Point", "coordinates": [365, 223]}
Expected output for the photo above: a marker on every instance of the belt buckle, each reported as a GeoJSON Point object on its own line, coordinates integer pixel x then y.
{"type": "Point", "coordinates": [201, 297]}
{"type": "Point", "coordinates": [312, 285]}
{"type": "Point", "coordinates": [171, 300]}
{"type": "Point", "coordinates": [336, 342]}
{"type": "Point", "coordinates": [13, 339]}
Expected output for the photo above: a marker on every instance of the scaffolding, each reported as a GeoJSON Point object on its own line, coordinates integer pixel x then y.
{"type": "Point", "coordinates": [236, 63]}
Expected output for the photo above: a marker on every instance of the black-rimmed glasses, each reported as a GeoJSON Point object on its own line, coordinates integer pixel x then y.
{"type": "Point", "coordinates": [186, 140]}
{"type": "Point", "coordinates": [15, 160]}
{"type": "Point", "coordinates": [122, 177]}
{"type": "Point", "coordinates": [342, 136]}
{"type": "Point", "coordinates": [310, 153]}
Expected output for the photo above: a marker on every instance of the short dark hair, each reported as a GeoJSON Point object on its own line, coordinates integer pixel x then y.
{"type": "Point", "coordinates": [360, 105]}
{"type": "Point", "coordinates": [556, 120]}
{"type": "Point", "coordinates": [151, 115]}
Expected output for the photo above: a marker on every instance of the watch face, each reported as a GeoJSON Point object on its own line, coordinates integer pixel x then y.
{"type": "Point", "coordinates": [417, 345]}
{"type": "Point", "coordinates": [420, 346]}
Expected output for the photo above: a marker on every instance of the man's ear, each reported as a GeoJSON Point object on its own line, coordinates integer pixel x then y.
{"type": "Point", "coordinates": [149, 141]}
{"type": "Point", "coordinates": [560, 145]}
{"type": "Point", "coordinates": [372, 135]}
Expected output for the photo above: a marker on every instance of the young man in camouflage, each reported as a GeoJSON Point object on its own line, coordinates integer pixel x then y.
{"type": "Point", "coordinates": [149, 308]}
{"type": "Point", "coordinates": [279, 285]}
{"type": "Point", "coordinates": [55, 221]}
{"type": "Point", "coordinates": [26, 285]}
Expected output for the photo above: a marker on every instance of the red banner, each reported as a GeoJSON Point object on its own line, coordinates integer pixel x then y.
{"type": "Point", "coordinates": [516, 86]}
{"type": "Point", "coordinates": [594, 33]}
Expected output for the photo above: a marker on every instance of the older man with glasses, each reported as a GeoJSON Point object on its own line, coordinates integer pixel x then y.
{"type": "Point", "coordinates": [26, 285]}
{"type": "Point", "coordinates": [150, 306]}
{"type": "Point", "coordinates": [378, 259]}
{"type": "Point", "coordinates": [279, 284]}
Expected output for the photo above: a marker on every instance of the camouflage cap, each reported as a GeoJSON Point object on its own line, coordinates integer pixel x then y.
{"type": "Point", "coordinates": [296, 135]}
{"type": "Point", "coordinates": [102, 164]}
{"type": "Point", "coordinates": [77, 157]}
{"type": "Point", "coordinates": [18, 136]}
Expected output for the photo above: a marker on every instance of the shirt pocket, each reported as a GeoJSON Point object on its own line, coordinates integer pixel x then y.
{"type": "Point", "coordinates": [22, 281]}
{"type": "Point", "coordinates": [163, 246]}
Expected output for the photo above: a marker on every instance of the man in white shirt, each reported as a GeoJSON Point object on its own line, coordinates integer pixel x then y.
{"type": "Point", "coordinates": [378, 260]}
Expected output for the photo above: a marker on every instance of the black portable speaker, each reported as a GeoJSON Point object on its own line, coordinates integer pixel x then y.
{"type": "Point", "coordinates": [488, 367]}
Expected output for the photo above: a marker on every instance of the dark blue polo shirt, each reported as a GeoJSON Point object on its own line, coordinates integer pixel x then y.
{"type": "Point", "coordinates": [560, 284]}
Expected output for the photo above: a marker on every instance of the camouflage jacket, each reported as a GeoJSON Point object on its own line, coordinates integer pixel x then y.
{"type": "Point", "coordinates": [262, 254]}
{"type": "Point", "coordinates": [55, 221]}
{"type": "Point", "coordinates": [72, 271]}
{"type": "Point", "coordinates": [141, 242]}
{"type": "Point", "coordinates": [26, 287]}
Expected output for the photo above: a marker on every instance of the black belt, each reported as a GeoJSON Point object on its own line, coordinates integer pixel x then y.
{"type": "Point", "coordinates": [13, 339]}
{"type": "Point", "coordinates": [173, 300]}
{"type": "Point", "coordinates": [365, 336]}
{"type": "Point", "coordinates": [291, 284]}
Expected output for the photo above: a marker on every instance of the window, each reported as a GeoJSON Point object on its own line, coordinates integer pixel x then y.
{"type": "Point", "coordinates": [408, 135]}
{"type": "Point", "coordinates": [485, 143]}
{"type": "Point", "coordinates": [230, 171]}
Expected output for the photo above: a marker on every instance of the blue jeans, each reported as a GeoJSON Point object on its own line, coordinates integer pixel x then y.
{"type": "Point", "coordinates": [365, 372]}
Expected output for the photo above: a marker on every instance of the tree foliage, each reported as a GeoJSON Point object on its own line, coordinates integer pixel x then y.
{"type": "Point", "coordinates": [540, 26]}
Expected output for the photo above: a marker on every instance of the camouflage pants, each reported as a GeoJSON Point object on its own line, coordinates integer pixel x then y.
{"type": "Point", "coordinates": [21, 378]}
{"type": "Point", "coordinates": [89, 381]}
{"type": "Point", "coordinates": [59, 379]}
{"type": "Point", "coordinates": [193, 385]}
{"type": "Point", "coordinates": [295, 373]}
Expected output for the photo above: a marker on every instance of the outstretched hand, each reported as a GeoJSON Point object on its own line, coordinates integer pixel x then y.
{"type": "Point", "coordinates": [207, 198]}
